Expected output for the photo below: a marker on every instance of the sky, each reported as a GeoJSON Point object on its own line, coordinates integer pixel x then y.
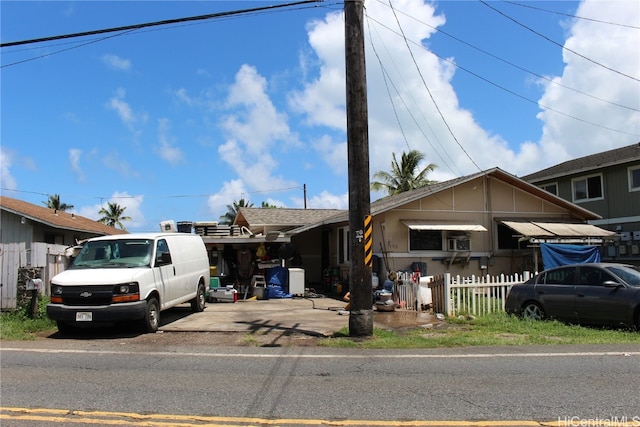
{"type": "Point", "coordinates": [176, 122]}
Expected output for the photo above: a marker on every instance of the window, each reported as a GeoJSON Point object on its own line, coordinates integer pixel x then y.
{"type": "Point", "coordinates": [587, 188]}
{"type": "Point", "coordinates": [507, 238]}
{"type": "Point", "coordinates": [344, 245]}
{"type": "Point", "coordinates": [593, 276]}
{"type": "Point", "coordinates": [634, 178]}
{"type": "Point", "coordinates": [561, 276]}
{"type": "Point", "coordinates": [425, 240]}
{"type": "Point", "coordinates": [551, 188]}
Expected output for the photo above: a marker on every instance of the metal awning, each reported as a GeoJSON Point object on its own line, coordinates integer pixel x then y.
{"type": "Point", "coordinates": [414, 224]}
{"type": "Point", "coordinates": [534, 229]}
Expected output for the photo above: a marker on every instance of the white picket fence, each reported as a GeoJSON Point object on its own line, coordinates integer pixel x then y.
{"type": "Point", "coordinates": [474, 295]}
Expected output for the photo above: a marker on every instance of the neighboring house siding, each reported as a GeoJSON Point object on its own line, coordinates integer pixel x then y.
{"type": "Point", "coordinates": [619, 204]}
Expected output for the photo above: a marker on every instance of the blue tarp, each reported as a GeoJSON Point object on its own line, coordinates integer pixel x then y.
{"type": "Point", "coordinates": [275, 292]}
{"type": "Point", "coordinates": [555, 254]}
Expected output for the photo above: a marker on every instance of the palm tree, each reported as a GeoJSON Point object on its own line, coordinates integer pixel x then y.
{"type": "Point", "coordinates": [113, 215]}
{"type": "Point", "coordinates": [54, 203]}
{"type": "Point", "coordinates": [232, 211]}
{"type": "Point", "coordinates": [403, 176]}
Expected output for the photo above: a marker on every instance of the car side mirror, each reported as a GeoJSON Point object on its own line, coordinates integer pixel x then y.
{"type": "Point", "coordinates": [611, 284]}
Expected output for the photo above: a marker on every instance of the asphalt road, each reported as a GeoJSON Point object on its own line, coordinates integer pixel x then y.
{"type": "Point", "coordinates": [212, 385]}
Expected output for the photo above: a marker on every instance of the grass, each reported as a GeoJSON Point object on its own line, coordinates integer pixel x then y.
{"type": "Point", "coordinates": [490, 330]}
{"type": "Point", "coordinates": [18, 325]}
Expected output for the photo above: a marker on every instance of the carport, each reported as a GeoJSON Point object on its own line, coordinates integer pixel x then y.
{"type": "Point", "coordinates": [536, 232]}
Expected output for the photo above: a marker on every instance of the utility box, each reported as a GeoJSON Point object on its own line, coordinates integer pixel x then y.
{"type": "Point", "coordinates": [296, 281]}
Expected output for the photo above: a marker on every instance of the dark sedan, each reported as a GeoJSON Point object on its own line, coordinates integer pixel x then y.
{"type": "Point", "coordinates": [605, 294]}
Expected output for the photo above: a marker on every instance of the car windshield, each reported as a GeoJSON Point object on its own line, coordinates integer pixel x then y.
{"type": "Point", "coordinates": [114, 254]}
{"type": "Point", "coordinates": [630, 275]}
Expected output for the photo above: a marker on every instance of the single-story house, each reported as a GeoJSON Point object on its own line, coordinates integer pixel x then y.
{"type": "Point", "coordinates": [490, 222]}
{"type": "Point", "coordinates": [36, 237]}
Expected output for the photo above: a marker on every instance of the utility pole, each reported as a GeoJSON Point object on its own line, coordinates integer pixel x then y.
{"type": "Point", "coordinates": [361, 312]}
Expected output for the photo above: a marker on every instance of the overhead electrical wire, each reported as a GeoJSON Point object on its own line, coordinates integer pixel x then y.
{"type": "Point", "coordinates": [157, 23]}
{"type": "Point", "coordinates": [617, 24]}
{"type": "Point", "coordinates": [123, 30]}
{"type": "Point", "coordinates": [388, 80]}
{"type": "Point", "coordinates": [533, 73]}
{"type": "Point", "coordinates": [558, 44]}
{"type": "Point", "coordinates": [513, 92]}
{"type": "Point", "coordinates": [509, 90]}
{"type": "Point", "coordinates": [429, 91]}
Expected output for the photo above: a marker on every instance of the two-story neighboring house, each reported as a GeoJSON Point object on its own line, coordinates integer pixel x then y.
{"type": "Point", "coordinates": [608, 184]}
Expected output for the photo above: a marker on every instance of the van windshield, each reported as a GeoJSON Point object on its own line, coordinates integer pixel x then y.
{"type": "Point", "coordinates": [114, 254]}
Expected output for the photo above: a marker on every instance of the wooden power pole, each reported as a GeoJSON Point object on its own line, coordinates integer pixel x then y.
{"type": "Point", "coordinates": [361, 314]}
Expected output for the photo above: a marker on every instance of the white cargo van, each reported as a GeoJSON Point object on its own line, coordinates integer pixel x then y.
{"type": "Point", "coordinates": [130, 277]}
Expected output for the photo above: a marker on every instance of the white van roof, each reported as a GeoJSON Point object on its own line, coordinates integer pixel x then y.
{"type": "Point", "coordinates": [141, 236]}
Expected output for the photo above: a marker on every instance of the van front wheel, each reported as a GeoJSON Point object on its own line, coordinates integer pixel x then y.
{"type": "Point", "coordinates": [197, 304]}
{"type": "Point", "coordinates": [151, 319]}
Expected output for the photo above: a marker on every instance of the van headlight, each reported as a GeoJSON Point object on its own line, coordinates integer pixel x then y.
{"type": "Point", "coordinates": [126, 292]}
{"type": "Point", "coordinates": [56, 294]}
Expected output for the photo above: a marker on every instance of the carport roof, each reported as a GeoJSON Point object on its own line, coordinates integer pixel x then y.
{"type": "Point", "coordinates": [557, 230]}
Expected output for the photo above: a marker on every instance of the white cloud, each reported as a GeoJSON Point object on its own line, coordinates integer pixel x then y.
{"type": "Point", "coordinates": [613, 46]}
{"type": "Point", "coordinates": [74, 159]}
{"type": "Point", "coordinates": [116, 63]}
{"type": "Point", "coordinates": [167, 149]}
{"type": "Point", "coordinates": [231, 191]}
{"type": "Point", "coordinates": [132, 205]}
{"type": "Point", "coordinates": [326, 200]}
{"type": "Point", "coordinates": [322, 99]}
{"type": "Point", "coordinates": [7, 180]}
{"type": "Point", "coordinates": [255, 130]}
{"type": "Point", "coordinates": [115, 162]}
{"type": "Point", "coordinates": [127, 115]}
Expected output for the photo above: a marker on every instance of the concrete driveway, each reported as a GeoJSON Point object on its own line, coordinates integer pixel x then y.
{"type": "Point", "coordinates": [311, 316]}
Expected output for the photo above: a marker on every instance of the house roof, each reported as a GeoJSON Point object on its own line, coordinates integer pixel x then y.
{"type": "Point", "coordinates": [281, 218]}
{"type": "Point", "coordinates": [391, 202]}
{"type": "Point", "coordinates": [55, 219]}
{"type": "Point", "coordinates": [617, 156]}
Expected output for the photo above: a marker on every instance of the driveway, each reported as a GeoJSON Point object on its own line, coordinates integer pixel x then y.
{"type": "Point", "coordinates": [311, 316]}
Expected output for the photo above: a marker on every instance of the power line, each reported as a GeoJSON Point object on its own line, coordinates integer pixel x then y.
{"type": "Point", "coordinates": [169, 196]}
{"type": "Point", "coordinates": [556, 43]}
{"type": "Point", "coordinates": [429, 91]}
{"type": "Point", "coordinates": [533, 73]}
{"type": "Point", "coordinates": [617, 24]}
{"type": "Point", "coordinates": [156, 23]}
{"type": "Point", "coordinates": [448, 60]}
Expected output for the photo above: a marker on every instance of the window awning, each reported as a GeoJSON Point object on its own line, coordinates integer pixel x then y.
{"type": "Point", "coordinates": [427, 225]}
{"type": "Point", "coordinates": [534, 229]}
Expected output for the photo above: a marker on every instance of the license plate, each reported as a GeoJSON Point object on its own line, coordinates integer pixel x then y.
{"type": "Point", "coordinates": [84, 316]}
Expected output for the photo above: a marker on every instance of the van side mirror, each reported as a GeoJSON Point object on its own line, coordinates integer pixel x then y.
{"type": "Point", "coordinates": [163, 259]}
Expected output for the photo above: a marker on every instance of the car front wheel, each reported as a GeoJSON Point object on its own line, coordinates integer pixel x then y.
{"type": "Point", "coordinates": [532, 311]}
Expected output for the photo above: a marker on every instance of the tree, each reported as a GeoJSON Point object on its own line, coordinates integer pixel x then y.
{"type": "Point", "coordinates": [54, 203]}
{"type": "Point", "coordinates": [267, 205]}
{"type": "Point", "coordinates": [232, 211]}
{"type": "Point", "coordinates": [403, 176]}
{"type": "Point", "coordinates": [113, 215]}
